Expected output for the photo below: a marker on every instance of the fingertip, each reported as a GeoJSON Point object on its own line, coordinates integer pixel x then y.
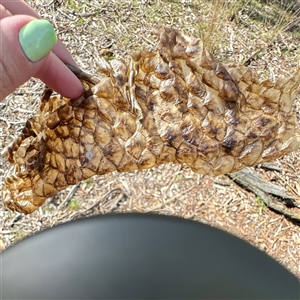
{"type": "Point", "coordinates": [57, 76]}
{"type": "Point", "coordinates": [61, 52]}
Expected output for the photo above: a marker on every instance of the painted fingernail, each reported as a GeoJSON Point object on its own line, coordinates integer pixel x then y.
{"type": "Point", "coordinates": [37, 38]}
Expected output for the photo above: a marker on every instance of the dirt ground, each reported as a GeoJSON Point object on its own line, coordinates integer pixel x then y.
{"type": "Point", "coordinates": [243, 33]}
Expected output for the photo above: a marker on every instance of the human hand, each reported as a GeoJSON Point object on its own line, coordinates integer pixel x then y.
{"type": "Point", "coordinates": [26, 52]}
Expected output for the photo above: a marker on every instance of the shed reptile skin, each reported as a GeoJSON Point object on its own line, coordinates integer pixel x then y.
{"type": "Point", "coordinates": [177, 104]}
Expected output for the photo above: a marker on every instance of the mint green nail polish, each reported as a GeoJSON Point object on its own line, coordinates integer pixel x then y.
{"type": "Point", "coordinates": [37, 39]}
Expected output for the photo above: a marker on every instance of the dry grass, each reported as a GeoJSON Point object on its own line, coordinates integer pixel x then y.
{"type": "Point", "coordinates": [245, 32]}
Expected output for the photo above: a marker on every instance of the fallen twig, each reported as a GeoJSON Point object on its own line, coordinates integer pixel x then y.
{"type": "Point", "coordinates": [101, 201]}
{"type": "Point", "coordinates": [270, 167]}
{"type": "Point", "coordinates": [69, 196]}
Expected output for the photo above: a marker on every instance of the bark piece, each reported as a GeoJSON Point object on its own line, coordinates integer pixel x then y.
{"type": "Point", "coordinates": [274, 196]}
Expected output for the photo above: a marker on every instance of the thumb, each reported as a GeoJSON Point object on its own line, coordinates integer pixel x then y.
{"type": "Point", "coordinates": [26, 45]}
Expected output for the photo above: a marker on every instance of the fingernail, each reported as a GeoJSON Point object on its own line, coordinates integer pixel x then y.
{"type": "Point", "coordinates": [37, 38]}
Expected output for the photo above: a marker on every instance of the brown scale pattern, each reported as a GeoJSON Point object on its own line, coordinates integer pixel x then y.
{"type": "Point", "coordinates": [176, 104]}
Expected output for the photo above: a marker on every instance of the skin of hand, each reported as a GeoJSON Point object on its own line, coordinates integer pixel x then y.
{"type": "Point", "coordinates": [16, 63]}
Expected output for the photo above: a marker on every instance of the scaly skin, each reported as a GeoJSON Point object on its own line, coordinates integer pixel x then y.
{"type": "Point", "coordinates": [176, 104]}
